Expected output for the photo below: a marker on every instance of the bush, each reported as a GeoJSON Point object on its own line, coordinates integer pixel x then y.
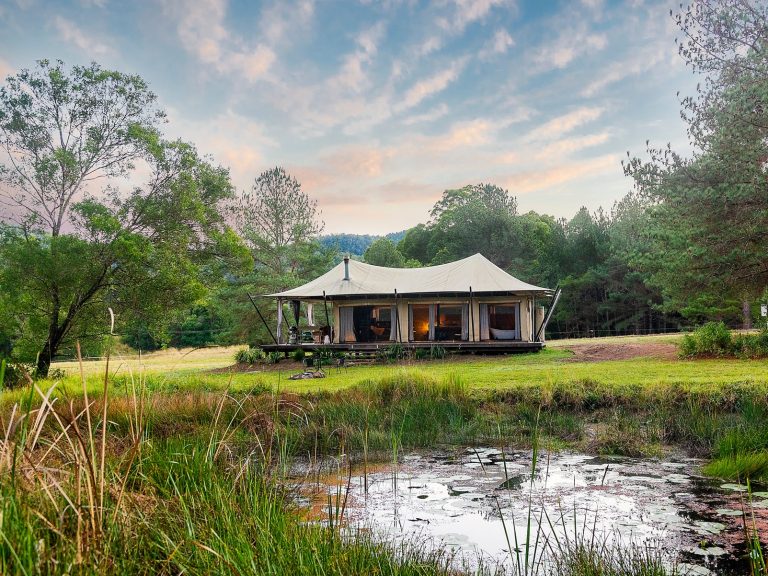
{"type": "Point", "coordinates": [273, 357]}
{"type": "Point", "coordinates": [298, 355]}
{"type": "Point", "coordinates": [434, 352]}
{"type": "Point", "coordinates": [249, 355]}
{"type": "Point", "coordinates": [711, 340]}
{"type": "Point", "coordinates": [12, 374]}
{"type": "Point", "coordinates": [751, 345]}
{"type": "Point", "coordinates": [715, 340]}
{"type": "Point", "coordinates": [392, 353]}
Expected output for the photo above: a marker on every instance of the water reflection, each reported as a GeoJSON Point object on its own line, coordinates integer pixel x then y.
{"type": "Point", "coordinates": [466, 500]}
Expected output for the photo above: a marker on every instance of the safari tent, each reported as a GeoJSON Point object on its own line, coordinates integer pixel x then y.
{"type": "Point", "coordinates": [469, 304]}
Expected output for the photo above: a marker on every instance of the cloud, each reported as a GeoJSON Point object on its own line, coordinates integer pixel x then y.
{"type": "Point", "coordinates": [469, 11]}
{"type": "Point", "coordinates": [637, 64]}
{"type": "Point", "coordinates": [567, 146]}
{"type": "Point", "coordinates": [431, 44]}
{"type": "Point", "coordinates": [233, 140]}
{"type": "Point", "coordinates": [532, 180]}
{"type": "Point", "coordinates": [429, 116]}
{"type": "Point", "coordinates": [200, 26]}
{"type": "Point", "coordinates": [569, 45]}
{"type": "Point", "coordinates": [499, 44]}
{"type": "Point", "coordinates": [562, 124]}
{"type": "Point", "coordinates": [464, 135]}
{"type": "Point", "coordinates": [71, 33]}
{"type": "Point", "coordinates": [283, 20]}
{"type": "Point", "coordinates": [436, 83]}
{"type": "Point", "coordinates": [357, 161]}
{"type": "Point", "coordinates": [352, 75]}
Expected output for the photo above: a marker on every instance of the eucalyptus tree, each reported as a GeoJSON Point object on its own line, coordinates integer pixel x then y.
{"type": "Point", "coordinates": [76, 241]}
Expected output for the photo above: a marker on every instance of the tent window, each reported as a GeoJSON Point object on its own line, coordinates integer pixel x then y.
{"type": "Point", "coordinates": [503, 321]}
{"type": "Point", "coordinates": [448, 325]}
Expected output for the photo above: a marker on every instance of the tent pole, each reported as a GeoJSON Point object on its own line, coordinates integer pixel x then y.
{"type": "Point", "coordinates": [262, 318]}
{"type": "Point", "coordinates": [397, 319]}
{"type": "Point", "coordinates": [327, 320]}
{"type": "Point", "coordinates": [279, 320]}
{"type": "Point", "coordinates": [472, 313]}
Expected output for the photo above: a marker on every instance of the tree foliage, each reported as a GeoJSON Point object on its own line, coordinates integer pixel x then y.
{"type": "Point", "coordinates": [383, 252]}
{"type": "Point", "coordinates": [280, 225]}
{"type": "Point", "coordinates": [709, 211]}
{"type": "Point", "coordinates": [68, 250]}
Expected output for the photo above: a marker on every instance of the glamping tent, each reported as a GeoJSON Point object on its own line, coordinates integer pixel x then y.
{"type": "Point", "coordinates": [470, 303]}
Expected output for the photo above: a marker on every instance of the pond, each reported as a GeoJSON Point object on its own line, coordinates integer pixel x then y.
{"type": "Point", "coordinates": [477, 502]}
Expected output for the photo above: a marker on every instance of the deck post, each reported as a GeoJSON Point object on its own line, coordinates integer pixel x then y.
{"type": "Point", "coordinates": [279, 320]}
{"type": "Point", "coordinates": [398, 334]}
{"type": "Point", "coordinates": [327, 319]}
{"type": "Point", "coordinates": [472, 313]}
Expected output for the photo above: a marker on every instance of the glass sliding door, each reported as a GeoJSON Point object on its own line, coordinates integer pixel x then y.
{"type": "Point", "coordinates": [438, 322]}
{"type": "Point", "coordinates": [367, 323]}
{"type": "Point", "coordinates": [420, 330]}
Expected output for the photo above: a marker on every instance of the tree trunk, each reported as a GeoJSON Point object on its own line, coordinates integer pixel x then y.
{"type": "Point", "coordinates": [746, 312]}
{"type": "Point", "coordinates": [45, 356]}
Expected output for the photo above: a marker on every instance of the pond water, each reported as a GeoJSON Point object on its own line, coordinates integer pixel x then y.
{"type": "Point", "coordinates": [465, 499]}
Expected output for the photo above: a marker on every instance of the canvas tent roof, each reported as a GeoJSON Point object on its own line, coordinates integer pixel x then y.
{"type": "Point", "coordinates": [453, 278]}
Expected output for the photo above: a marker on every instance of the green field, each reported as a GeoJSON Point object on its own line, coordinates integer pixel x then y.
{"type": "Point", "coordinates": [191, 369]}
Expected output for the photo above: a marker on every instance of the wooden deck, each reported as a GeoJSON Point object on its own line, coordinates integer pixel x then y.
{"type": "Point", "coordinates": [493, 347]}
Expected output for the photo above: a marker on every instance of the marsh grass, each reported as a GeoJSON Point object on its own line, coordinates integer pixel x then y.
{"type": "Point", "coordinates": [192, 471]}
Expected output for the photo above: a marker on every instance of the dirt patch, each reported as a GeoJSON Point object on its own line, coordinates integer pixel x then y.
{"type": "Point", "coordinates": [618, 351]}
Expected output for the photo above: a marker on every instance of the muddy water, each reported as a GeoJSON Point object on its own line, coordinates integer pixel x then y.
{"type": "Point", "coordinates": [465, 499]}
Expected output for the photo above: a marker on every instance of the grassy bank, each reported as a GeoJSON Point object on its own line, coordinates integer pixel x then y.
{"type": "Point", "coordinates": [193, 481]}
{"type": "Point", "coordinates": [190, 465]}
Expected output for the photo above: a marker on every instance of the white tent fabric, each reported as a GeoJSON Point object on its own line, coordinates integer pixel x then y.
{"type": "Point", "coordinates": [455, 277]}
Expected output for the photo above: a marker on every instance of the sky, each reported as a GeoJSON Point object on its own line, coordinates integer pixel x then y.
{"type": "Point", "coordinates": [378, 107]}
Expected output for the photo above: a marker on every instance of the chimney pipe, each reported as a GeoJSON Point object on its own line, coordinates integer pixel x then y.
{"type": "Point", "coordinates": [346, 267]}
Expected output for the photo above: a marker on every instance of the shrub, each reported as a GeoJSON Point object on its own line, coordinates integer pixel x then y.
{"type": "Point", "coordinates": [273, 357]}
{"type": "Point", "coordinates": [392, 353]}
{"type": "Point", "coordinates": [751, 345]}
{"type": "Point", "coordinates": [298, 355]}
{"type": "Point", "coordinates": [711, 340]}
{"type": "Point", "coordinates": [249, 355]}
{"type": "Point", "coordinates": [12, 374]}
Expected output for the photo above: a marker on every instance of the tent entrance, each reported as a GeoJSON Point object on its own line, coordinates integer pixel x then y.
{"type": "Point", "coordinates": [438, 322]}
{"type": "Point", "coordinates": [367, 323]}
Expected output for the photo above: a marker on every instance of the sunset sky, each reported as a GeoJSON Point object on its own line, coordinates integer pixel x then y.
{"type": "Point", "coordinates": [377, 107]}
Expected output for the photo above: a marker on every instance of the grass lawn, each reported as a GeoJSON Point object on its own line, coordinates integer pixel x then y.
{"type": "Point", "coordinates": [190, 369]}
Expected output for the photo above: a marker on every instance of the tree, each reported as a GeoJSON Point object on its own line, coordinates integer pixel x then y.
{"type": "Point", "coordinates": [488, 196]}
{"type": "Point", "coordinates": [709, 212]}
{"type": "Point", "coordinates": [69, 251]}
{"type": "Point", "coordinates": [280, 225]}
{"type": "Point", "coordinates": [275, 217]}
{"type": "Point", "coordinates": [383, 252]}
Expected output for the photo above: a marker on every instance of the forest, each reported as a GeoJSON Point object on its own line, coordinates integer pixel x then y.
{"type": "Point", "coordinates": [101, 211]}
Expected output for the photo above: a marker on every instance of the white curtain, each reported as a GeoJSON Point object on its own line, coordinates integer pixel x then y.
{"type": "Point", "coordinates": [432, 320]}
{"type": "Point", "coordinates": [346, 324]}
{"type": "Point", "coordinates": [465, 322]}
{"type": "Point", "coordinates": [311, 314]}
{"type": "Point", "coordinates": [485, 334]}
{"type": "Point", "coordinates": [395, 320]}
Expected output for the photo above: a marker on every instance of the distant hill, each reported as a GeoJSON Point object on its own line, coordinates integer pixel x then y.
{"type": "Point", "coordinates": [357, 244]}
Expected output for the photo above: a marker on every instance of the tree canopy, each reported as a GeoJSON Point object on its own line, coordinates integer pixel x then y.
{"type": "Point", "coordinates": [70, 249]}
{"type": "Point", "coordinates": [709, 211]}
